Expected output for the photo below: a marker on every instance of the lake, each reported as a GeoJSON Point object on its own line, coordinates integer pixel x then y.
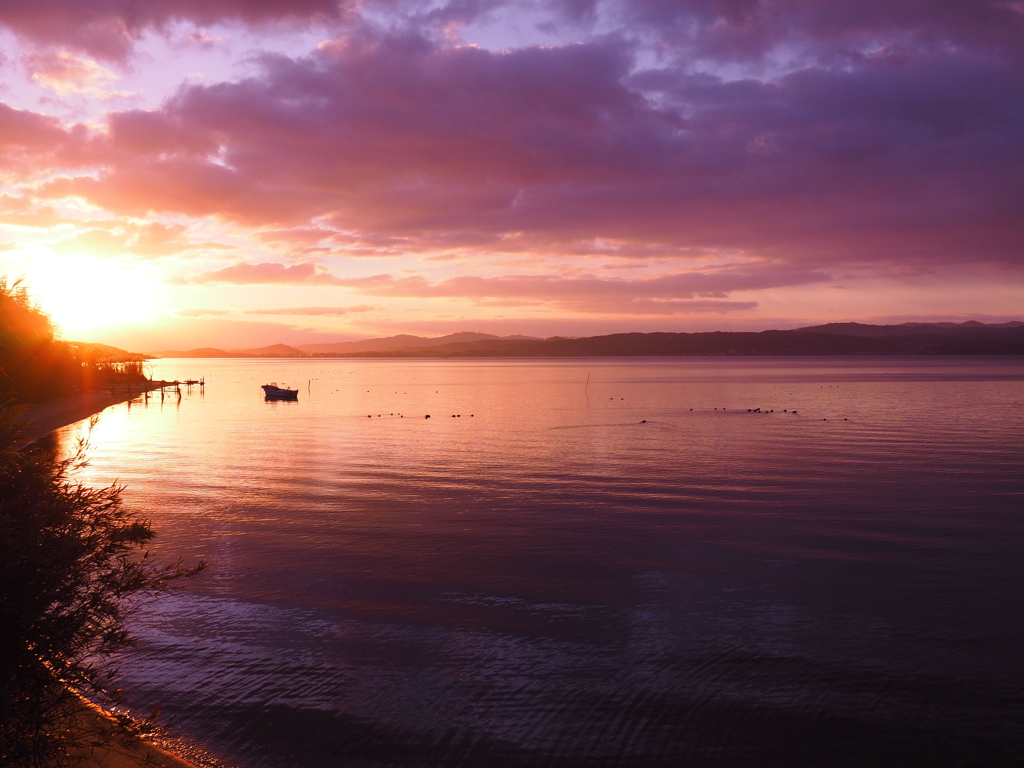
{"type": "Point", "coordinates": [587, 562]}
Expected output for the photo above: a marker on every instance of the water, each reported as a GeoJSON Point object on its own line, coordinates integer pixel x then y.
{"type": "Point", "coordinates": [544, 580]}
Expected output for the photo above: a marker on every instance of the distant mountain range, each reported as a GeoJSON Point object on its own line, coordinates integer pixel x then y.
{"type": "Point", "coordinates": [970, 338]}
{"type": "Point", "coordinates": [401, 343]}
{"type": "Point", "coordinates": [104, 353]}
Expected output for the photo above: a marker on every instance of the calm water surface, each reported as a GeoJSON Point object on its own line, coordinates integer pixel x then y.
{"type": "Point", "coordinates": [544, 580]}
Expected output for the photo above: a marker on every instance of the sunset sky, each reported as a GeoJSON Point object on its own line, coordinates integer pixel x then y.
{"type": "Point", "coordinates": [234, 173]}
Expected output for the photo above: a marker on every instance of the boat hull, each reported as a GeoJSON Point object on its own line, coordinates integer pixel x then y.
{"type": "Point", "coordinates": [276, 393]}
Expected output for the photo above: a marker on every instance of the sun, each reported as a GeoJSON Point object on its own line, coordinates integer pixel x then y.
{"type": "Point", "coordinates": [84, 293]}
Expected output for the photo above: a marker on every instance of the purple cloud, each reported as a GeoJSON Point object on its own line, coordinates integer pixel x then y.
{"type": "Point", "coordinates": [109, 28]}
{"type": "Point", "coordinates": [891, 158]}
{"type": "Point", "coordinates": [869, 135]}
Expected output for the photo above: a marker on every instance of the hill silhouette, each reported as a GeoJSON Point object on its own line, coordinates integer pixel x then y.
{"type": "Point", "coordinates": [970, 338]}
{"type": "Point", "coordinates": [200, 352]}
{"type": "Point", "coordinates": [402, 342]}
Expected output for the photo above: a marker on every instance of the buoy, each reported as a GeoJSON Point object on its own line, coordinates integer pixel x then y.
{"type": "Point", "coordinates": [427, 416]}
{"type": "Point", "coordinates": [644, 421]}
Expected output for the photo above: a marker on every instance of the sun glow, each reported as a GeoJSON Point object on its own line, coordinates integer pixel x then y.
{"type": "Point", "coordinates": [84, 293]}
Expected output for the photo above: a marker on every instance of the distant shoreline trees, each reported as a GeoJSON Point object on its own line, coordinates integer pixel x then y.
{"type": "Point", "coordinates": [36, 365]}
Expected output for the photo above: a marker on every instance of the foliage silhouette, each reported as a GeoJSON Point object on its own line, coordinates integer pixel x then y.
{"type": "Point", "coordinates": [72, 568]}
{"type": "Point", "coordinates": [36, 365]}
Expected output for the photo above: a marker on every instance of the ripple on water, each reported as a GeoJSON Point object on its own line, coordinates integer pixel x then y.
{"type": "Point", "coordinates": [551, 584]}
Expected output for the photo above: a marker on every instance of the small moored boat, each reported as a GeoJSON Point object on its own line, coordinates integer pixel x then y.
{"type": "Point", "coordinates": [274, 392]}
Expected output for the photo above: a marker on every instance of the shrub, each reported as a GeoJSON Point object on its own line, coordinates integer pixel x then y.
{"type": "Point", "coordinates": [72, 567]}
{"type": "Point", "coordinates": [36, 365]}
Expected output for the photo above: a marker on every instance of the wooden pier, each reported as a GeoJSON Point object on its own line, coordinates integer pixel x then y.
{"type": "Point", "coordinates": [164, 387]}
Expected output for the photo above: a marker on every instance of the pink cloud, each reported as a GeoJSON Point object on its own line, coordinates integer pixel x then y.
{"type": "Point", "coordinates": [119, 238]}
{"type": "Point", "coordinates": [668, 294]}
{"type": "Point", "coordinates": [267, 273]}
{"type": "Point", "coordinates": [313, 311]}
{"type": "Point", "coordinates": [25, 211]}
{"type": "Point", "coordinates": [101, 242]}
{"type": "Point", "coordinates": [64, 73]}
{"type": "Point", "coordinates": [29, 139]}
{"type": "Point", "coordinates": [589, 289]}
{"type": "Point", "coordinates": [299, 235]}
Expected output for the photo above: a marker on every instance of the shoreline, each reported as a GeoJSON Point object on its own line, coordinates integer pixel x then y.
{"type": "Point", "coordinates": [106, 743]}
{"type": "Point", "coordinates": [64, 410]}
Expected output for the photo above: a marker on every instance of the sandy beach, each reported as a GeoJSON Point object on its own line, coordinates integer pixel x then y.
{"type": "Point", "coordinates": [106, 744]}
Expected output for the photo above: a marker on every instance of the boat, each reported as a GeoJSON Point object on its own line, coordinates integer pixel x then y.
{"type": "Point", "coordinates": [274, 392]}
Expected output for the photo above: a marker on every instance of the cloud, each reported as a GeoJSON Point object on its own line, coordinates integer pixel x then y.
{"type": "Point", "coordinates": [715, 283]}
{"type": "Point", "coordinates": [313, 311]}
{"type": "Point", "coordinates": [24, 211]}
{"type": "Point", "coordinates": [33, 145]}
{"type": "Point", "coordinates": [64, 73]}
{"type": "Point", "coordinates": [409, 146]}
{"type": "Point", "coordinates": [298, 235]}
{"type": "Point", "coordinates": [97, 242]}
{"type": "Point", "coordinates": [753, 30]}
{"type": "Point", "coordinates": [157, 239]}
{"type": "Point", "coordinates": [267, 273]}
{"type": "Point", "coordinates": [108, 29]}
{"type": "Point", "coordinates": [199, 312]}
{"type": "Point", "coordinates": [667, 294]}
{"type": "Point", "coordinates": [119, 238]}
{"type": "Point", "coordinates": [679, 293]}
{"type": "Point", "coordinates": [716, 30]}
{"type": "Point", "coordinates": [808, 137]}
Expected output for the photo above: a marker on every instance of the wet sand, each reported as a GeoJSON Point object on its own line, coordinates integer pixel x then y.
{"type": "Point", "coordinates": [106, 744]}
